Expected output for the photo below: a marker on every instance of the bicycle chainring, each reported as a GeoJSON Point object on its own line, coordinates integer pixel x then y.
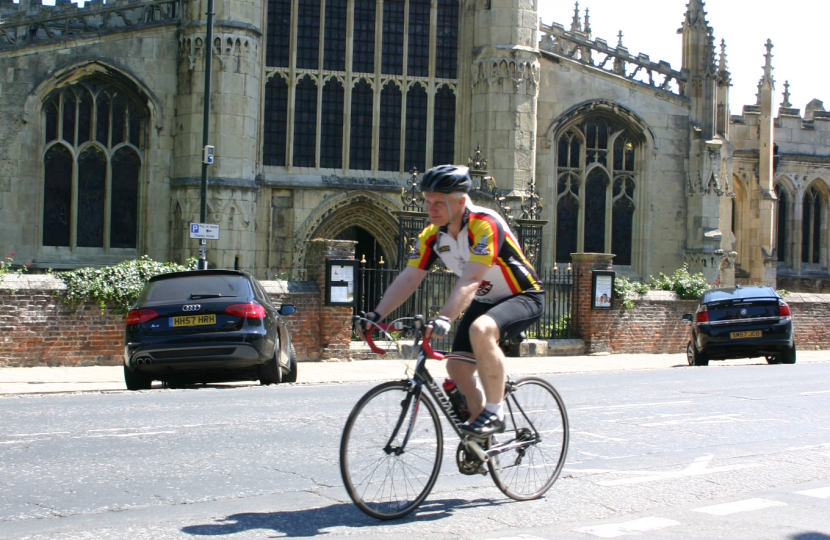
{"type": "Point", "coordinates": [468, 463]}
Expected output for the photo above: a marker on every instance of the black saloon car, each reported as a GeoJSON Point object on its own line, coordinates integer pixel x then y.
{"type": "Point", "coordinates": [741, 322]}
{"type": "Point", "coordinates": [207, 326]}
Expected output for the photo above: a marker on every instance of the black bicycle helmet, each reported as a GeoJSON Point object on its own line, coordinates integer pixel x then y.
{"type": "Point", "coordinates": [446, 179]}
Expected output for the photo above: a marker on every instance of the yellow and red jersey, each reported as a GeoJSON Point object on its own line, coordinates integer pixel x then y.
{"type": "Point", "coordinates": [486, 239]}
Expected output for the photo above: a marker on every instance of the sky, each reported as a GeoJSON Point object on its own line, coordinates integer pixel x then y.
{"type": "Point", "coordinates": [650, 27]}
{"type": "Point", "coordinates": [798, 35]}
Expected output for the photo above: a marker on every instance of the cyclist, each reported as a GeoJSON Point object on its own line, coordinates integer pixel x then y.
{"type": "Point", "coordinates": [498, 288]}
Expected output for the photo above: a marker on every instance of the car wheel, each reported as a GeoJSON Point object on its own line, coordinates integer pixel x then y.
{"type": "Point", "coordinates": [291, 376]}
{"type": "Point", "coordinates": [136, 380]}
{"type": "Point", "coordinates": [695, 357]}
{"type": "Point", "coordinates": [788, 357]}
{"type": "Point", "coordinates": [271, 372]}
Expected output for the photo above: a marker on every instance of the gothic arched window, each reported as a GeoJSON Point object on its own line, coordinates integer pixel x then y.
{"type": "Point", "coordinates": [781, 219]}
{"type": "Point", "coordinates": [443, 127]}
{"type": "Point", "coordinates": [305, 123]}
{"type": "Point", "coordinates": [331, 146]}
{"type": "Point", "coordinates": [390, 128]}
{"type": "Point", "coordinates": [597, 179]}
{"type": "Point", "coordinates": [92, 166]}
{"type": "Point", "coordinates": [811, 227]}
{"type": "Point", "coordinates": [361, 135]}
{"type": "Point", "coordinates": [275, 121]}
{"type": "Point", "coordinates": [416, 128]}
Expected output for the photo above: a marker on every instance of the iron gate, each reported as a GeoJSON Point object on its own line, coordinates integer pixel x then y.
{"type": "Point", "coordinates": [558, 319]}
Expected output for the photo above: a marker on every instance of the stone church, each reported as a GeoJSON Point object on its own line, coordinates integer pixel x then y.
{"type": "Point", "coordinates": [322, 109]}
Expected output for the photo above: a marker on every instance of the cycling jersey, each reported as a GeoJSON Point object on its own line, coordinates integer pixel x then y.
{"type": "Point", "coordinates": [484, 238]}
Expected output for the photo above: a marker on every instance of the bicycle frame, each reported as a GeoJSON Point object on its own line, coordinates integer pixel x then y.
{"type": "Point", "coordinates": [421, 379]}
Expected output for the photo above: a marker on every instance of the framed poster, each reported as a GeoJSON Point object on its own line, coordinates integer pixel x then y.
{"type": "Point", "coordinates": [340, 282]}
{"type": "Point", "coordinates": [602, 290]}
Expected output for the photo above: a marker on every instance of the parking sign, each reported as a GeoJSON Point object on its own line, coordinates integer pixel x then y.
{"type": "Point", "coordinates": [205, 231]}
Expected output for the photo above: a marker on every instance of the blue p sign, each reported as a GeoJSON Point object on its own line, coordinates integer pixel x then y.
{"type": "Point", "coordinates": [194, 228]}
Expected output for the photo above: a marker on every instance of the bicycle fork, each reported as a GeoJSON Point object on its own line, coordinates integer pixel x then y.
{"type": "Point", "coordinates": [413, 394]}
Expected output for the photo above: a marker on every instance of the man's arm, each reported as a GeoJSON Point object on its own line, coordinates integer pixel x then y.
{"type": "Point", "coordinates": [400, 289]}
{"type": "Point", "coordinates": [465, 290]}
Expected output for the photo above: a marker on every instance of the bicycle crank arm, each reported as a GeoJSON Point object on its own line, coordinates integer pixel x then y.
{"type": "Point", "coordinates": [511, 445]}
{"type": "Point", "coordinates": [474, 447]}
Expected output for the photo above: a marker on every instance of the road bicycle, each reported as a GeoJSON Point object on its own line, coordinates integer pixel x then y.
{"type": "Point", "coordinates": [392, 445]}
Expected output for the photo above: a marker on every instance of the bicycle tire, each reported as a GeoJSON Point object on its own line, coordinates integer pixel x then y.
{"type": "Point", "coordinates": [526, 473]}
{"type": "Point", "coordinates": [373, 477]}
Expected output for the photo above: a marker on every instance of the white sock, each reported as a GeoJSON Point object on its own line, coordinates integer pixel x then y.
{"type": "Point", "coordinates": [495, 408]}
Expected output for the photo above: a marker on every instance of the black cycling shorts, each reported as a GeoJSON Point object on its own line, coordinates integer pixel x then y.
{"type": "Point", "coordinates": [513, 315]}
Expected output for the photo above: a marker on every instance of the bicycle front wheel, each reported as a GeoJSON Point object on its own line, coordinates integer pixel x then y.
{"type": "Point", "coordinates": [535, 441]}
{"type": "Point", "coordinates": [389, 469]}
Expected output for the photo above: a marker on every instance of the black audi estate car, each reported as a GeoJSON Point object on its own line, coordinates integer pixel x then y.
{"type": "Point", "coordinates": [207, 326]}
{"type": "Point", "coordinates": [741, 322]}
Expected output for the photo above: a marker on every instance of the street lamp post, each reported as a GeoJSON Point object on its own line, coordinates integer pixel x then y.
{"type": "Point", "coordinates": [207, 156]}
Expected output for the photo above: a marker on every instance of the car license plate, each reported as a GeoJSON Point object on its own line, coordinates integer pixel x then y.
{"type": "Point", "coordinates": [192, 320]}
{"type": "Point", "coordinates": [744, 335]}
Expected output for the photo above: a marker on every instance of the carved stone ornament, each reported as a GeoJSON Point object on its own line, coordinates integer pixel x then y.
{"type": "Point", "coordinates": [487, 72]}
{"type": "Point", "coordinates": [225, 46]}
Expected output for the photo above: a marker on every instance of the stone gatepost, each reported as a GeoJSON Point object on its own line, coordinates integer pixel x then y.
{"type": "Point", "coordinates": [592, 325]}
{"type": "Point", "coordinates": [335, 323]}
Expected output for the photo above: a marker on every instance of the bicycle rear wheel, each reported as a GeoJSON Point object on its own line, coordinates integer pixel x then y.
{"type": "Point", "coordinates": [386, 477]}
{"type": "Point", "coordinates": [536, 437]}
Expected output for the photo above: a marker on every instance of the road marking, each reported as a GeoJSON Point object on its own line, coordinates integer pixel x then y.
{"type": "Point", "coordinates": [747, 505]}
{"type": "Point", "coordinates": [598, 436]}
{"type": "Point", "coordinates": [613, 530]}
{"type": "Point", "coordinates": [139, 434]}
{"type": "Point", "coordinates": [712, 419]}
{"type": "Point", "coordinates": [629, 405]}
{"type": "Point", "coordinates": [699, 467]}
{"type": "Point", "coordinates": [814, 393]}
{"type": "Point", "coordinates": [520, 537]}
{"type": "Point", "coordinates": [821, 493]}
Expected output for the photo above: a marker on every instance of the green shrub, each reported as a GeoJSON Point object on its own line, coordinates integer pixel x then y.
{"type": "Point", "coordinates": [687, 286]}
{"type": "Point", "coordinates": [115, 286]}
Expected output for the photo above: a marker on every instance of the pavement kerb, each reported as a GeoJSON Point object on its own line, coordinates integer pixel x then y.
{"type": "Point", "coordinates": [48, 380]}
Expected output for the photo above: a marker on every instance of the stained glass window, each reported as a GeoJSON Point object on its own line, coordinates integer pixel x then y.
{"type": "Point", "coordinates": [389, 157]}
{"type": "Point", "coordinates": [446, 41]}
{"type": "Point", "coordinates": [418, 53]}
{"type": "Point", "coordinates": [334, 56]}
{"type": "Point", "coordinates": [57, 196]}
{"type": "Point", "coordinates": [783, 208]}
{"type": "Point", "coordinates": [305, 123]}
{"type": "Point", "coordinates": [363, 45]}
{"type": "Point", "coordinates": [444, 127]}
{"type": "Point", "coordinates": [275, 121]}
{"type": "Point", "coordinates": [331, 143]}
{"type": "Point", "coordinates": [393, 19]}
{"type": "Point", "coordinates": [279, 33]}
{"type": "Point", "coordinates": [92, 171]}
{"type": "Point", "coordinates": [126, 166]}
{"type": "Point", "coordinates": [92, 107]}
{"type": "Point", "coordinates": [811, 227]}
{"type": "Point", "coordinates": [567, 216]}
{"type": "Point", "coordinates": [308, 33]}
{"type": "Point", "coordinates": [360, 155]}
{"type": "Point", "coordinates": [596, 187]}
{"type": "Point", "coordinates": [416, 128]}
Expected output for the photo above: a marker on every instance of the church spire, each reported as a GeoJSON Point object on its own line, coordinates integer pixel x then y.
{"type": "Point", "coordinates": [709, 66]}
{"type": "Point", "coordinates": [722, 66]}
{"type": "Point", "coordinates": [587, 23]}
{"type": "Point", "coordinates": [786, 103]}
{"type": "Point", "coordinates": [576, 23]}
{"type": "Point", "coordinates": [695, 14]}
{"type": "Point", "coordinates": [767, 78]}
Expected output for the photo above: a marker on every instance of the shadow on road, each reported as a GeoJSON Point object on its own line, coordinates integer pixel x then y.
{"type": "Point", "coordinates": [810, 536]}
{"type": "Point", "coordinates": [312, 522]}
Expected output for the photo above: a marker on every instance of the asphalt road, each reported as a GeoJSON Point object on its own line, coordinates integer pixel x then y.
{"type": "Point", "coordinates": [719, 452]}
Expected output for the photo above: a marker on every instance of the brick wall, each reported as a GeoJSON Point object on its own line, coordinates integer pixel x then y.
{"type": "Point", "coordinates": [37, 329]}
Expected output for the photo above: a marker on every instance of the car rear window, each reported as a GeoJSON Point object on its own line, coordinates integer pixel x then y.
{"type": "Point", "coordinates": [743, 309]}
{"type": "Point", "coordinates": [186, 287]}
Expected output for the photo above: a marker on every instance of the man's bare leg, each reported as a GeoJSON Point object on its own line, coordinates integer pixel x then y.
{"type": "Point", "coordinates": [484, 336]}
{"type": "Point", "coordinates": [463, 373]}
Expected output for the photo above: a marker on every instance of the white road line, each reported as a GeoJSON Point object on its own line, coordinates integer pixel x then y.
{"type": "Point", "coordinates": [699, 467]}
{"type": "Point", "coordinates": [711, 419]}
{"type": "Point", "coordinates": [814, 393]}
{"type": "Point", "coordinates": [747, 505]}
{"type": "Point", "coordinates": [520, 537]}
{"type": "Point", "coordinates": [598, 436]}
{"type": "Point", "coordinates": [637, 526]}
{"type": "Point", "coordinates": [140, 434]}
{"type": "Point", "coordinates": [629, 405]}
{"type": "Point", "coordinates": [821, 493]}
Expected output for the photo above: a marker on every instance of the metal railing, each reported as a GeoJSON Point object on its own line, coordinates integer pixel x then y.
{"type": "Point", "coordinates": [558, 319]}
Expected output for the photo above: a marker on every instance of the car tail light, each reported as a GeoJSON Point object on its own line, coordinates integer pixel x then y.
{"type": "Point", "coordinates": [249, 311]}
{"type": "Point", "coordinates": [702, 315]}
{"type": "Point", "coordinates": [138, 316]}
{"type": "Point", "coordinates": [784, 313]}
